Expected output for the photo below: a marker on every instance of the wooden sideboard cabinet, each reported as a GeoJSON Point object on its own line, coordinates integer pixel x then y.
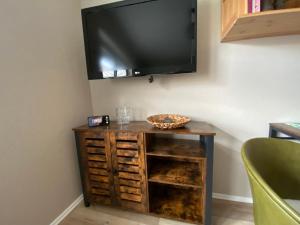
{"type": "Point", "coordinates": [141, 168]}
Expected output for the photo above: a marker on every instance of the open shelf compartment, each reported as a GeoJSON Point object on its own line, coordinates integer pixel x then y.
{"type": "Point", "coordinates": [174, 148]}
{"type": "Point", "coordinates": [171, 202]}
{"type": "Point", "coordinates": [176, 171]}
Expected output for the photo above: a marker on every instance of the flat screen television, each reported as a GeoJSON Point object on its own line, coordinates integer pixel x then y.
{"type": "Point", "coordinates": [140, 37]}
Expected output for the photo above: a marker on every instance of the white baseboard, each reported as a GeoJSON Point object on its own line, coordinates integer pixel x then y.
{"type": "Point", "coordinates": [215, 195]}
{"type": "Point", "coordinates": [67, 211]}
{"type": "Point", "coordinates": [232, 198]}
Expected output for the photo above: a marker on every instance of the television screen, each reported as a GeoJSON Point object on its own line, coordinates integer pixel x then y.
{"type": "Point", "coordinates": [140, 37]}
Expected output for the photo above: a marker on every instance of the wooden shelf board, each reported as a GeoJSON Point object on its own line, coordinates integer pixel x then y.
{"type": "Point", "coordinates": [264, 24]}
{"type": "Point", "coordinates": [273, 12]}
{"type": "Point", "coordinates": [184, 205]}
{"type": "Point", "coordinates": [174, 184]}
{"type": "Point", "coordinates": [178, 173]}
{"type": "Point", "coordinates": [176, 148]}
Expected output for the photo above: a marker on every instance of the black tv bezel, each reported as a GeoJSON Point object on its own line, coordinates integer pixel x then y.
{"type": "Point", "coordinates": [178, 69]}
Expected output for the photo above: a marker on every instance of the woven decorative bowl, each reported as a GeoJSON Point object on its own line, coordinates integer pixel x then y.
{"type": "Point", "coordinates": [168, 121]}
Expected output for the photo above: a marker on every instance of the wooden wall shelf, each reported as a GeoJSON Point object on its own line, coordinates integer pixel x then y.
{"type": "Point", "coordinates": [134, 168]}
{"type": "Point", "coordinates": [238, 24]}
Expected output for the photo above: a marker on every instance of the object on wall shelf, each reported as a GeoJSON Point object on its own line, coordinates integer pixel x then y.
{"type": "Point", "coordinates": [256, 6]}
{"type": "Point", "coordinates": [238, 24]}
{"type": "Point", "coordinates": [286, 4]}
{"type": "Point", "coordinates": [268, 5]}
{"type": "Point", "coordinates": [140, 168]}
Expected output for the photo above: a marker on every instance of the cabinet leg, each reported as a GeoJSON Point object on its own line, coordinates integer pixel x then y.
{"type": "Point", "coordinates": [273, 133]}
{"type": "Point", "coordinates": [86, 203]}
{"type": "Point", "coordinates": [208, 142]}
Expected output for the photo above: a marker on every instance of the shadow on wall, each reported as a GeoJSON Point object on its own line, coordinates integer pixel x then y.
{"type": "Point", "coordinates": [270, 42]}
{"type": "Point", "coordinates": [229, 172]}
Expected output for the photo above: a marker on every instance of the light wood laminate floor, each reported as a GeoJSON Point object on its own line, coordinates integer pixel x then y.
{"type": "Point", "coordinates": [224, 213]}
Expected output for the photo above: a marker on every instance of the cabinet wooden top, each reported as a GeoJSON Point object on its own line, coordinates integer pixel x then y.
{"type": "Point", "coordinates": [286, 129]}
{"type": "Point", "coordinates": [197, 128]}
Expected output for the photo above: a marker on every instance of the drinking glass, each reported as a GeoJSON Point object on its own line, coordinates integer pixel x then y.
{"type": "Point", "coordinates": [124, 114]}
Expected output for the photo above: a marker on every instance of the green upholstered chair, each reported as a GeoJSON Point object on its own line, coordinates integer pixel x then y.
{"type": "Point", "coordinates": [273, 167]}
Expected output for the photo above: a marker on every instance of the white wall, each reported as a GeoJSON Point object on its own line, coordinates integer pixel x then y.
{"type": "Point", "coordinates": [44, 93]}
{"type": "Point", "coordinates": [239, 87]}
